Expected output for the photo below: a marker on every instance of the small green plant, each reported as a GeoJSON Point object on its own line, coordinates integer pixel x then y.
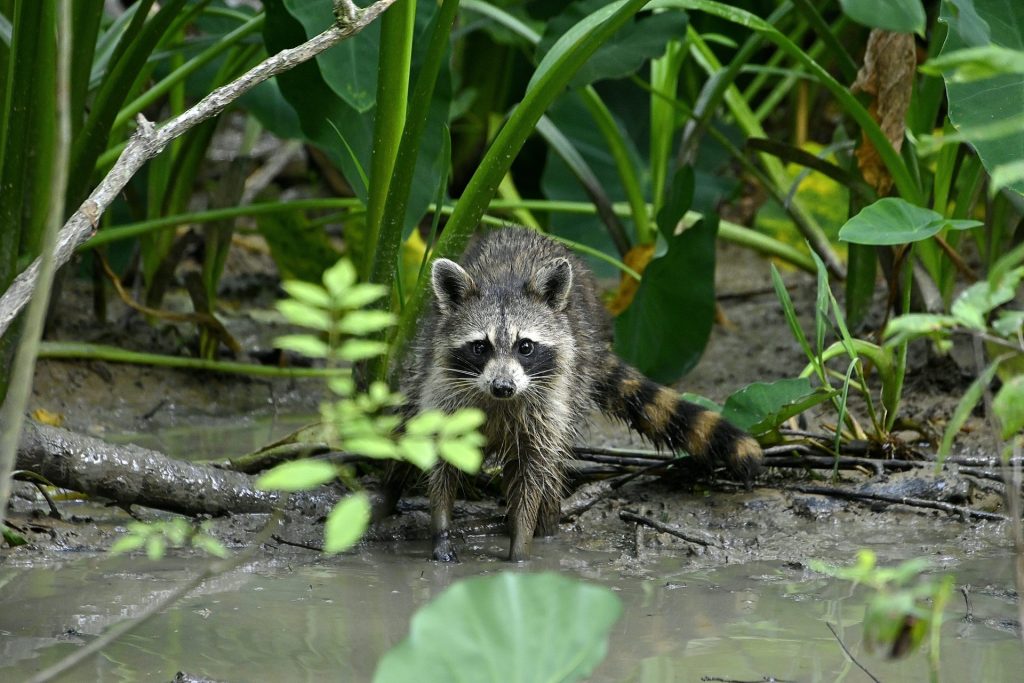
{"type": "Point", "coordinates": [905, 606]}
{"type": "Point", "coordinates": [982, 312]}
{"type": "Point", "coordinates": [157, 536]}
{"type": "Point", "coordinates": [365, 423]}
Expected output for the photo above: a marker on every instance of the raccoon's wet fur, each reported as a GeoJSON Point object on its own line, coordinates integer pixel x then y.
{"type": "Point", "coordinates": [517, 331]}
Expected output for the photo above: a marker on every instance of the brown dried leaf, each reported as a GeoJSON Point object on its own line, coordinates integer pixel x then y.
{"type": "Point", "coordinates": [636, 258]}
{"type": "Point", "coordinates": [890, 61]}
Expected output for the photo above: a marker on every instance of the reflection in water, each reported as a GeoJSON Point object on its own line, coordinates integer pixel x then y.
{"type": "Point", "coordinates": [310, 618]}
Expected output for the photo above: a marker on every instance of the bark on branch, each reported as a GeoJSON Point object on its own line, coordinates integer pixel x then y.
{"type": "Point", "coordinates": [149, 140]}
{"type": "Point", "coordinates": [132, 475]}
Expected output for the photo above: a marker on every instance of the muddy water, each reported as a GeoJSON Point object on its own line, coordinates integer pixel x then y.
{"type": "Point", "coordinates": [306, 618]}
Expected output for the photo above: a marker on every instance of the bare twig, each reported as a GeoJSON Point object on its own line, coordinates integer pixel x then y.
{"type": "Point", "coordinates": [149, 140]}
{"type": "Point", "coordinates": [899, 500]}
{"type": "Point", "coordinates": [691, 536]}
{"type": "Point", "coordinates": [849, 654]}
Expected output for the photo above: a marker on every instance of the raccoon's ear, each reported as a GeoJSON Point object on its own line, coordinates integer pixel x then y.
{"type": "Point", "coordinates": [451, 283]}
{"type": "Point", "coordinates": [554, 282]}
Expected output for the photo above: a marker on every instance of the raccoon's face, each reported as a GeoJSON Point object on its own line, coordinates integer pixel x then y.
{"type": "Point", "coordinates": [501, 341]}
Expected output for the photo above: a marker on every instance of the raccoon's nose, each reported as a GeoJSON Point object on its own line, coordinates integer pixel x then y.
{"type": "Point", "coordinates": [502, 388]}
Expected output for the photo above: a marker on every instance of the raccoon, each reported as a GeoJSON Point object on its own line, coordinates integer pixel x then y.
{"type": "Point", "coordinates": [517, 330]}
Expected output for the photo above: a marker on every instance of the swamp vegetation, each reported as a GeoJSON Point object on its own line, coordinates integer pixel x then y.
{"type": "Point", "coordinates": [216, 224]}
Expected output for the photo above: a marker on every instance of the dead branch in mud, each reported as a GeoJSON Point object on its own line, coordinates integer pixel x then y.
{"type": "Point", "coordinates": [690, 535]}
{"type": "Point", "coordinates": [149, 140]}
{"type": "Point", "coordinates": [910, 501]}
{"type": "Point", "coordinates": [132, 475]}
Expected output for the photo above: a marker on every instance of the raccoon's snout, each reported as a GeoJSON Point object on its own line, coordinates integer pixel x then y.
{"type": "Point", "coordinates": [502, 388]}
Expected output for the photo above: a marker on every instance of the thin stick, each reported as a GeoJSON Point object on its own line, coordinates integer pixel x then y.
{"type": "Point", "coordinates": [691, 536]}
{"type": "Point", "coordinates": [900, 500]}
{"type": "Point", "coordinates": [849, 654]}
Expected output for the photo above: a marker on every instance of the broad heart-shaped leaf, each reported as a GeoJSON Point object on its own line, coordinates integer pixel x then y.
{"type": "Point", "coordinates": [323, 90]}
{"type": "Point", "coordinates": [762, 406]}
{"type": "Point", "coordinates": [665, 329]}
{"type": "Point", "coordinates": [349, 68]}
{"type": "Point", "coordinates": [625, 52]}
{"type": "Point", "coordinates": [506, 628]}
{"type": "Point", "coordinates": [1008, 406]}
{"type": "Point", "coordinates": [901, 16]}
{"type": "Point", "coordinates": [896, 221]}
{"type": "Point", "coordinates": [990, 102]}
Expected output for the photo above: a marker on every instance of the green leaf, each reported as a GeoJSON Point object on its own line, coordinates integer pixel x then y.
{"type": "Point", "coordinates": [463, 421]}
{"type": "Point", "coordinates": [427, 422]}
{"type": "Point", "coordinates": [361, 295]}
{"type": "Point", "coordinates": [462, 454]}
{"type": "Point", "coordinates": [626, 51]}
{"type": "Point", "coordinates": [297, 475]}
{"type": "Point", "coordinates": [762, 406]}
{"type": "Point", "coordinates": [896, 221]}
{"type": "Point", "coordinates": [901, 16]}
{"type": "Point", "coordinates": [975, 63]}
{"type": "Point", "coordinates": [127, 544]}
{"type": "Point", "coordinates": [361, 349]}
{"type": "Point", "coordinates": [346, 523]}
{"type": "Point", "coordinates": [508, 628]}
{"type": "Point", "coordinates": [914, 325]}
{"type": "Point", "coordinates": [366, 322]}
{"type": "Point", "coordinates": [418, 450]}
{"type": "Point", "coordinates": [372, 446]}
{"type": "Point", "coordinates": [993, 103]}
{"type": "Point", "coordinates": [1008, 406]}
{"type": "Point", "coordinates": [1008, 323]}
{"type": "Point", "coordinates": [307, 293]}
{"type": "Point", "coordinates": [975, 302]}
{"type": "Point", "coordinates": [1007, 175]}
{"type": "Point", "coordinates": [305, 344]}
{"type": "Point", "coordinates": [665, 329]}
{"type": "Point", "coordinates": [339, 278]}
{"type": "Point", "coordinates": [304, 315]}
{"type": "Point", "coordinates": [210, 545]}
{"type": "Point", "coordinates": [156, 546]}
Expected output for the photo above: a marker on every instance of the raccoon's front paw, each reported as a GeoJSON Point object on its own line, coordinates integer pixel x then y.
{"type": "Point", "coordinates": [444, 549]}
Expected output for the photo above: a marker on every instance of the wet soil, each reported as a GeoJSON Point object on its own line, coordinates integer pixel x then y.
{"type": "Point", "coordinates": [744, 606]}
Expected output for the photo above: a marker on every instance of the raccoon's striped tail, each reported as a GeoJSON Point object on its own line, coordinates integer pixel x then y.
{"type": "Point", "coordinates": [668, 421]}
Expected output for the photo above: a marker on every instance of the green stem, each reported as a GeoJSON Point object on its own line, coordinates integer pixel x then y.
{"type": "Point", "coordinates": [182, 72]}
{"type": "Point", "coordinates": [113, 354]}
{"type": "Point", "coordinates": [396, 34]}
{"type": "Point", "coordinates": [616, 141]}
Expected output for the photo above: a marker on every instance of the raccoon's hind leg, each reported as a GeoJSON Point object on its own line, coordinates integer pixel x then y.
{"type": "Point", "coordinates": [668, 421]}
{"type": "Point", "coordinates": [549, 514]}
{"type": "Point", "coordinates": [444, 481]}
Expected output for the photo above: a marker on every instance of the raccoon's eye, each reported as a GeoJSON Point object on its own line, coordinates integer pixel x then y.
{"type": "Point", "coordinates": [479, 347]}
{"type": "Point", "coordinates": [525, 347]}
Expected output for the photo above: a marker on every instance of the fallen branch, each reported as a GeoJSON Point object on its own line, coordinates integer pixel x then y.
{"type": "Point", "coordinates": [899, 500]}
{"type": "Point", "coordinates": [148, 141]}
{"type": "Point", "coordinates": [692, 536]}
{"type": "Point", "coordinates": [132, 475]}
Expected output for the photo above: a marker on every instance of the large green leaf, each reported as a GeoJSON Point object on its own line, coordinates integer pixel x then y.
{"type": "Point", "coordinates": [763, 406]}
{"type": "Point", "coordinates": [902, 16]}
{"type": "Point", "coordinates": [896, 221]}
{"type": "Point", "coordinates": [664, 331]}
{"type": "Point", "coordinates": [508, 628]}
{"type": "Point", "coordinates": [987, 112]}
{"type": "Point", "coordinates": [626, 51]}
{"type": "Point", "coordinates": [349, 68]}
{"type": "Point", "coordinates": [328, 95]}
